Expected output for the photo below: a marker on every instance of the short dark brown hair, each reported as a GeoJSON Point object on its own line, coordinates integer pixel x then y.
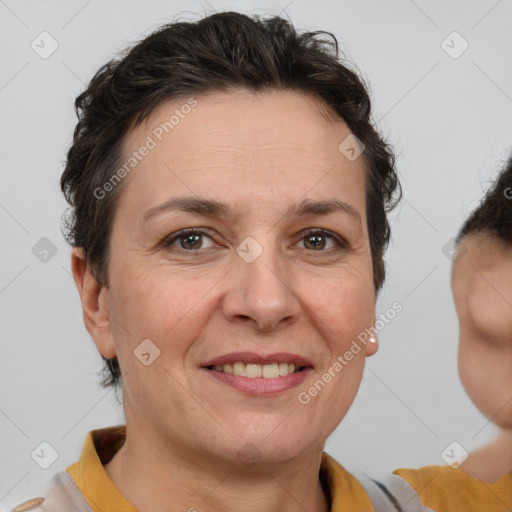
{"type": "Point", "coordinates": [493, 215]}
{"type": "Point", "coordinates": [216, 53]}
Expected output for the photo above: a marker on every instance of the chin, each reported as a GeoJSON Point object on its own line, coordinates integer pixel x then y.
{"type": "Point", "coordinates": [504, 418]}
{"type": "Point", "coordinates": [267, 448]}
{"type": "Point", "coordinates": [252, 453]}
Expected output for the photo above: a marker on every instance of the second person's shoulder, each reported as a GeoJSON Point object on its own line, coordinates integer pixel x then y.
{"type": "Point", "coordinates": [444, 488]}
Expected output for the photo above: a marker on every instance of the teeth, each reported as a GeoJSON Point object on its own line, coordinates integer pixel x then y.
{"type": "Point", "coordinates": [283, 369]}
{"type": "Point", "coordinates": [253, 371]}
{"type": "Point", "coordinates": [239, 369]}
{"type": "Point", "coordinates": [270, 371]}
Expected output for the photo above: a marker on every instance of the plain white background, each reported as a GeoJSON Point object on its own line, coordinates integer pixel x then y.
{"type": "Point", "coordinates": [448, 118]}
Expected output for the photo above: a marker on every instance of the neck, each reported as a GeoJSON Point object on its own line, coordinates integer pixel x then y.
{"type": "Point", "coordinates": [491, 461]}
{"type": "Point", "coordinates": [174, 479]}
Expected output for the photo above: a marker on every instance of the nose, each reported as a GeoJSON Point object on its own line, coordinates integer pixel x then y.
{"type": "Point", "coordinates": [262, 292]}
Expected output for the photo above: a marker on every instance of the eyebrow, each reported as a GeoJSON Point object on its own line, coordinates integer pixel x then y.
{"type": "Point", "coordinates": [211, 208]}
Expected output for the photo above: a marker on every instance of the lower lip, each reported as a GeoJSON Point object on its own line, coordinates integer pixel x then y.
{"type": "Point", "coordinates": [259, 385]}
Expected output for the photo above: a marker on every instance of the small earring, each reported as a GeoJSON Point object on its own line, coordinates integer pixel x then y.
{"type": "Point", "coordinates": [372, 340]}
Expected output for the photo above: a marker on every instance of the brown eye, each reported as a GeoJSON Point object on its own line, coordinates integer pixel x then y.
{"type": "Point", "coordinates": [188, 240]}
{"type": "Point", "coordinates": [317, 239]}
{"type": "Point", "coordinates": [191, 241]}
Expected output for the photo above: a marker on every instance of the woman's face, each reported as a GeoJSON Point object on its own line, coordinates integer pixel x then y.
{"type": "Point", "coordinates": [482, 290]}
{"type": "Point", "coordinates": [250, 278]}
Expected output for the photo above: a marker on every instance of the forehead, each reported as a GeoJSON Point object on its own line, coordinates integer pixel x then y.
{"type": "Point", "coordinates": [481, 252]}
{"type": "Point", "coordinates": [483, 272]}
{"type": "Point", "coordinates": [240, 141]}
{"type": "Point", "coordinates": [236, 110]}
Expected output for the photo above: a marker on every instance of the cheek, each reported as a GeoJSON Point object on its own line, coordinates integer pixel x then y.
{"type": "Point", "coordinates": [486, 374]}
{"type": "Point", "coordinates": [157, 304]}
{"type": "Point", "coordinates": [346, 306]}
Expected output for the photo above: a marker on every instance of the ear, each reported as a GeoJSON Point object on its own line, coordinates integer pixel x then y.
{"type": "Point", "coordinates": [95, 304]}
{"type": "Point", "coordinates": [372, 346]}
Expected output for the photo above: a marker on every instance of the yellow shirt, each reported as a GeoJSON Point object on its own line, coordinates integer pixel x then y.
{"type": "Point", "coordinates": [452, 490]}
{"type": "Point", "coordinates": [347, 494]}
{"type": "Point", "coordinates": [440, 488]}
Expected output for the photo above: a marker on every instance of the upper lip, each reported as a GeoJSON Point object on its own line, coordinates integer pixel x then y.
{"type": "Point", "coordinates": [254, 358]}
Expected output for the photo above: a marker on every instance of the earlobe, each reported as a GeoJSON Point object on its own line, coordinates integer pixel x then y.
{"type": "Point", "coordinates": [372, 346]}
{"type": "Point", "coordinates": [95, 304]}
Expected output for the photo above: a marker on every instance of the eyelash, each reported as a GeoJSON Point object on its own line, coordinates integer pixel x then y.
{"type": "Point", "coordinates": [339, 241]}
